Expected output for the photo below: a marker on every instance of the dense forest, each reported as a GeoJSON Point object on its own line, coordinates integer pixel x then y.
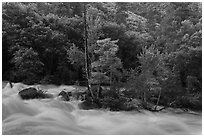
{"type": "Point", "coordinates": [146, 53]}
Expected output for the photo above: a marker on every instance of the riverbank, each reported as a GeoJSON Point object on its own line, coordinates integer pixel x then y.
{"type": "Point", "coordinates": [55, 90]}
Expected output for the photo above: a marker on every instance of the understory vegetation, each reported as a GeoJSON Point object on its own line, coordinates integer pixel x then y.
{"type": "Point", "coordinates": [147, 54]}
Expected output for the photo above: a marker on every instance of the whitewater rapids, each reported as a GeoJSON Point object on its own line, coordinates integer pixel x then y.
{"type": "Point", "coordinates": [57, 117]}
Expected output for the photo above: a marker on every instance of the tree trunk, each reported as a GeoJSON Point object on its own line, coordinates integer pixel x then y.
{"type": "Point", "coordinates": [98, 90]}
{"type": "Point", "coordinates": [158, 100]}
{"type": "Point", "coordinates": [87, 69]}
{"type": "Point", "coordinates": [144, 97]}
{"type": "Point", "coordinates": [144, 94]}
{"type": "Point", "coordinates": [110, 79]}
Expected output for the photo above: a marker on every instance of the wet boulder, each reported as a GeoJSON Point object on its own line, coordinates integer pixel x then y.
{"type": "Point", "coordinates": [64, 95]}
{"type": "Point", "coordinates": [33, 93]}
{"type": "Point", "coordinates": [29, 93]}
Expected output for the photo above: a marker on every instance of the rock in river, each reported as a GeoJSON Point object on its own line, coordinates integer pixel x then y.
{"type": "Point", "coordinates": [65, 95]}
{"type": "Point", "coordinates": [33, 93]}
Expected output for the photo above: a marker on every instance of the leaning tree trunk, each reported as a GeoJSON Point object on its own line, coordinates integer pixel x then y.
{"type": "Point", "coordinates": [87, 68]}
{"type": "Point", "coordinates": [158, 100]}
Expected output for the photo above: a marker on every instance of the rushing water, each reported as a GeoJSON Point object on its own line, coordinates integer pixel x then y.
{"type": "Point", "coordinates": [54, 116]}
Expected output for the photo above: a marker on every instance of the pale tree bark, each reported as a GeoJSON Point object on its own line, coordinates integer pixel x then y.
{"type": "Point", "coordinates": [87, 68]}
{"type": "Point", "coordinates": [158, 100]}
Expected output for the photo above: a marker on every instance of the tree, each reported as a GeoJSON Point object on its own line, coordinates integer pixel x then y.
{"type": "Point", "coordinates": [148, 81]}
{"type": "Point", "coordinates": [113, 38]}
{"type": "Point", "coordinates": [86, 57]}
{"type": "Point", "coordinates": [27, 64]}
{"type": "Point", "coordinates": [108, 65]}
{"type": "Point", "coordinates": [46, 32]}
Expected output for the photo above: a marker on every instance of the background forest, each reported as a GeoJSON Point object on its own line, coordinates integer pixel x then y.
{"type": "Point", "coordinates": [143, 51]}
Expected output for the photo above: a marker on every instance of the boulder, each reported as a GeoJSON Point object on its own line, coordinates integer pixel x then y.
{"type": "Point", "coordinates": [64, 95]}
{"type": "Point", "coordinates": [29, 93]}
{"type": "Point", "coordinates": [33, 93]}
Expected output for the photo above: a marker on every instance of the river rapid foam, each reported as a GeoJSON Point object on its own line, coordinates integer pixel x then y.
{"type": "Point", "coordinates": [55, 117]}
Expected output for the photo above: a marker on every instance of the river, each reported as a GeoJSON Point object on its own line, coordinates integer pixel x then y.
{"type": "Point", "coordinates": [57, 117]}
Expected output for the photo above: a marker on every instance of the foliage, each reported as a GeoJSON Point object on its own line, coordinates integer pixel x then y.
{"type": "Point", "coordinates": [148, 81]}
{"type": "Point", "coordinates": [75, 56]}
{"type": "Point", "coordinates": [27, 64]}
{"type": "Point", "coordinates": [151, 50]}
{"type": "Point", "coordinates": [107, 66]}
